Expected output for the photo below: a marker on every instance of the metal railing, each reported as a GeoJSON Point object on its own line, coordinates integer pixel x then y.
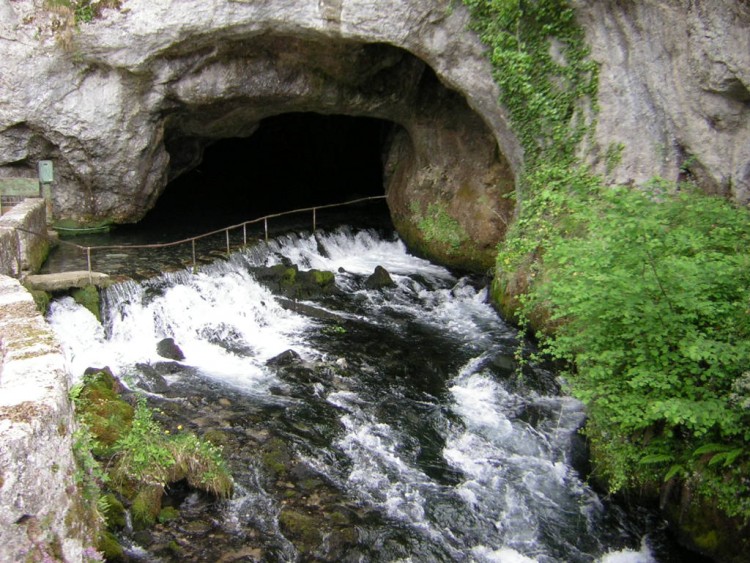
{"type": "Point", "coordinates": [192, 240]}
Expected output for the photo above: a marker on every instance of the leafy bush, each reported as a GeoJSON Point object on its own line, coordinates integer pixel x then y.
{"type": "Point", "coordinates": [141, 458]}
{"type": "Point", "coordinates": [644, 294]}
{"type": "Point", "coordinates": [650, 305]}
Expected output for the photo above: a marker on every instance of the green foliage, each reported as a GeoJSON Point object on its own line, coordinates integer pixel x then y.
{"type": "Point", "coordinates": [88, 297]}
{"type": "Point", "coordinates": [141, 458]}
{"type": "Point", "coordinates": [89, 474]}
{"type": "Point", "coordinates": [646, 295]}
{"type": "Point", "coordinates": [613, 156]}
{"type": "Point", "coordinates": [540, 61]}
{"type": "Point", "coordinates": [649, 300]}
{"type": "Point", "coordinates": [142, 453]}
{"type": "Point", "coordinates": [438, 226]}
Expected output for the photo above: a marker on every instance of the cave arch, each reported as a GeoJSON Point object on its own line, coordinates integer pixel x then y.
{"type": "Point", "coordinates": [437, 155]}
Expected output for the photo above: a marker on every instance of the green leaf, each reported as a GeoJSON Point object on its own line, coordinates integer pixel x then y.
{"type": "Point", "coordinates": [655, 458]}
{"type": "Point", "coordinates": [675, 470]}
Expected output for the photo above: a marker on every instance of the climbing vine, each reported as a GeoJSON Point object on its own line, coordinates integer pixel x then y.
{"type": "Point", "coordinates": [643, 292]}
{"type": "Point", "coordinates": [540, 61]}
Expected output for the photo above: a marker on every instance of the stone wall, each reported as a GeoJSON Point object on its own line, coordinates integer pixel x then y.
{"type": "Point", "coordinates": [42, 514]}
{"type": "Point", "coordinates": [22, 252]}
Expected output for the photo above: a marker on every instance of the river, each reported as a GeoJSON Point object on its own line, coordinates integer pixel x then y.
{"type": "Point", "coordinates": [400, 430]}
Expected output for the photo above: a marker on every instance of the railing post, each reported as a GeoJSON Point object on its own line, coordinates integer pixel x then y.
{"type": "Point", "coordinates": [227, 232]}
{"type": "Point", "coordinates": [194, 266]}
{"type": "Point", "coordinates": [314, 219]}
{"type": "Point", "coordinates": [19, 254]}
{"type": "Point", "coordinates": [88, 263]}
{"type": "Point", "coordinates": [265, 226]}
{"type": "Point", "coordinates": [244, 234]}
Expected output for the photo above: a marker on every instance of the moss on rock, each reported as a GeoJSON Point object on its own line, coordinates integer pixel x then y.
{"type": "Point", "coordinates": [146, 506]}
{"type": "Point", "coordinates": [108, 545]}
{"type": "Point", "coordinates": [88, 297]}
{"type": "Point", "coordinates": [41, 299]}
{"type": "Point", "coordinates": [114, 514]}
{"type": "Point", "coordinates": [301, 529]}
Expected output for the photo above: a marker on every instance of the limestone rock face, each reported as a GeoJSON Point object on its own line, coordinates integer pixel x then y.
{"type": "Point", "coordinates": [141, 91]}
{"type": "Point", "coordinates": [674, 91]}
{"type": "Point", "coordinates": [130, 100]}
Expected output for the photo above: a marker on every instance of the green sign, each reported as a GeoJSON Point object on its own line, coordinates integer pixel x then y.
{"type": "Point", "coordinates": [46, 172]}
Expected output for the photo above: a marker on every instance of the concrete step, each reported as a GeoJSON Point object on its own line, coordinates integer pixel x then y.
{"type": "Point", "coordinates": [62, 281]}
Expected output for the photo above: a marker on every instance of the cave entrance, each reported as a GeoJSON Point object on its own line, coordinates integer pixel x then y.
{"type": "Point", "coordinates": [291, 161]}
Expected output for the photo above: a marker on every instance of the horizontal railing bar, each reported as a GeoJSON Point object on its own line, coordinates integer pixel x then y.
{"type": "Point", "coordinates": [208, 234]}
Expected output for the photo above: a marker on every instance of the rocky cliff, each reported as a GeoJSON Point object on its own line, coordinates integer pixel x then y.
{"type": "Point", "coordinates": [674, 91]}
{"type": "Point", "coordinates": [133, 97]}
{"type": "Point", "coordinates": [126, 100]}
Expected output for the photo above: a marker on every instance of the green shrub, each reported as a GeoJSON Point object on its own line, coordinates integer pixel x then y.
{"type": "Point", "coordinates": [650, 304]}
{"type": "Point", "coordinates": [644, 294]}
{"type": "Point", "coordinates": [438, 226]}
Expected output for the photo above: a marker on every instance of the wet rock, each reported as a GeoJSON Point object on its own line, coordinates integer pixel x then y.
{"type": "Point", "coordinates": [226, 337]}
{"type": "Point", "coordinates": [143, 537]}
{"type": "Point", "coordinates": [309, 310]}
{"type": "Point", "coordinates": [379, 279]}
{"type": "Point", "coordinates": [151, 379]}
{"type": "Point", "coordinates": [291, 282]}
{"type": "Point", "coordinates": [301, 529]}
{"type": "Point", "coordinates": [286, 358]}
{"type": "Point", "coordinates": [276, 457]}
{"type": "Point", "coordinates": [196, 528]}
{"type": "Point", "coordinates": [167, 348]}
{"type": "Point", "coordinates": [242, 554]}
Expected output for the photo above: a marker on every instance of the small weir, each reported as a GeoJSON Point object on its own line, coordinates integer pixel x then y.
{"type": "Point", "coordinates": [365, 423]}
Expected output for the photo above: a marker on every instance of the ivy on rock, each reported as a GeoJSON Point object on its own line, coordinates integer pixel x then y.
{"type": "Point", "coordinates": [644, 292]}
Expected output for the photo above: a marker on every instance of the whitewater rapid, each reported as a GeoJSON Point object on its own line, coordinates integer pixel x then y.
{"type": "Point", "coordinates": [474, 467]}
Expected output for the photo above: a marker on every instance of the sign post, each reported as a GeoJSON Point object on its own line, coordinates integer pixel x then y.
{"type": "Point", "coordinates": [46, 177]}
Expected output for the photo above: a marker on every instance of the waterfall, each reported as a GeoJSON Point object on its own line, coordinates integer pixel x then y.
{"type": "Point", "coordinates": [406, 405]}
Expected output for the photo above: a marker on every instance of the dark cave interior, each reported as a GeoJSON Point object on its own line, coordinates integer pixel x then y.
{"type": "Point", "coordinates": [292, 161]}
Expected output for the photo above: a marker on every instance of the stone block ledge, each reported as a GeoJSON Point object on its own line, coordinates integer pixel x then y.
{"type": "Point", "coordinates": [63, 281]}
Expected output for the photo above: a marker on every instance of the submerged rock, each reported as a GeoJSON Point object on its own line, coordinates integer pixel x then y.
{"type": "Point", "coordinates": [286, 358]}
{"type": "Point", "coordinates": [151, 379]}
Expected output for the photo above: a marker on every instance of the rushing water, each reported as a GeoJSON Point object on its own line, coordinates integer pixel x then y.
{"type": "Point", "coordinates": [404, 431]}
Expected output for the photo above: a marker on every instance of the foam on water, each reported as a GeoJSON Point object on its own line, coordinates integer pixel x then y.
{"type": "Point", "coordinates": [511, 496]}
{"type": "Point", "coordinates": [629, 556]}
{"type": "Point", "coordinates": [380, 474]}
{"type": "Point", "coordinates": [226, 324]}
{"type": "Point", "coordinates": [357, 253]}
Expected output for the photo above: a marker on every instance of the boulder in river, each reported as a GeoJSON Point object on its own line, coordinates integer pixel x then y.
{"type": "Point", "coordinates": [379, 279]}
{"type": "Point", "coordinates": [168, 348]}
{"type": "Point", "coordinates": [289, 281]}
